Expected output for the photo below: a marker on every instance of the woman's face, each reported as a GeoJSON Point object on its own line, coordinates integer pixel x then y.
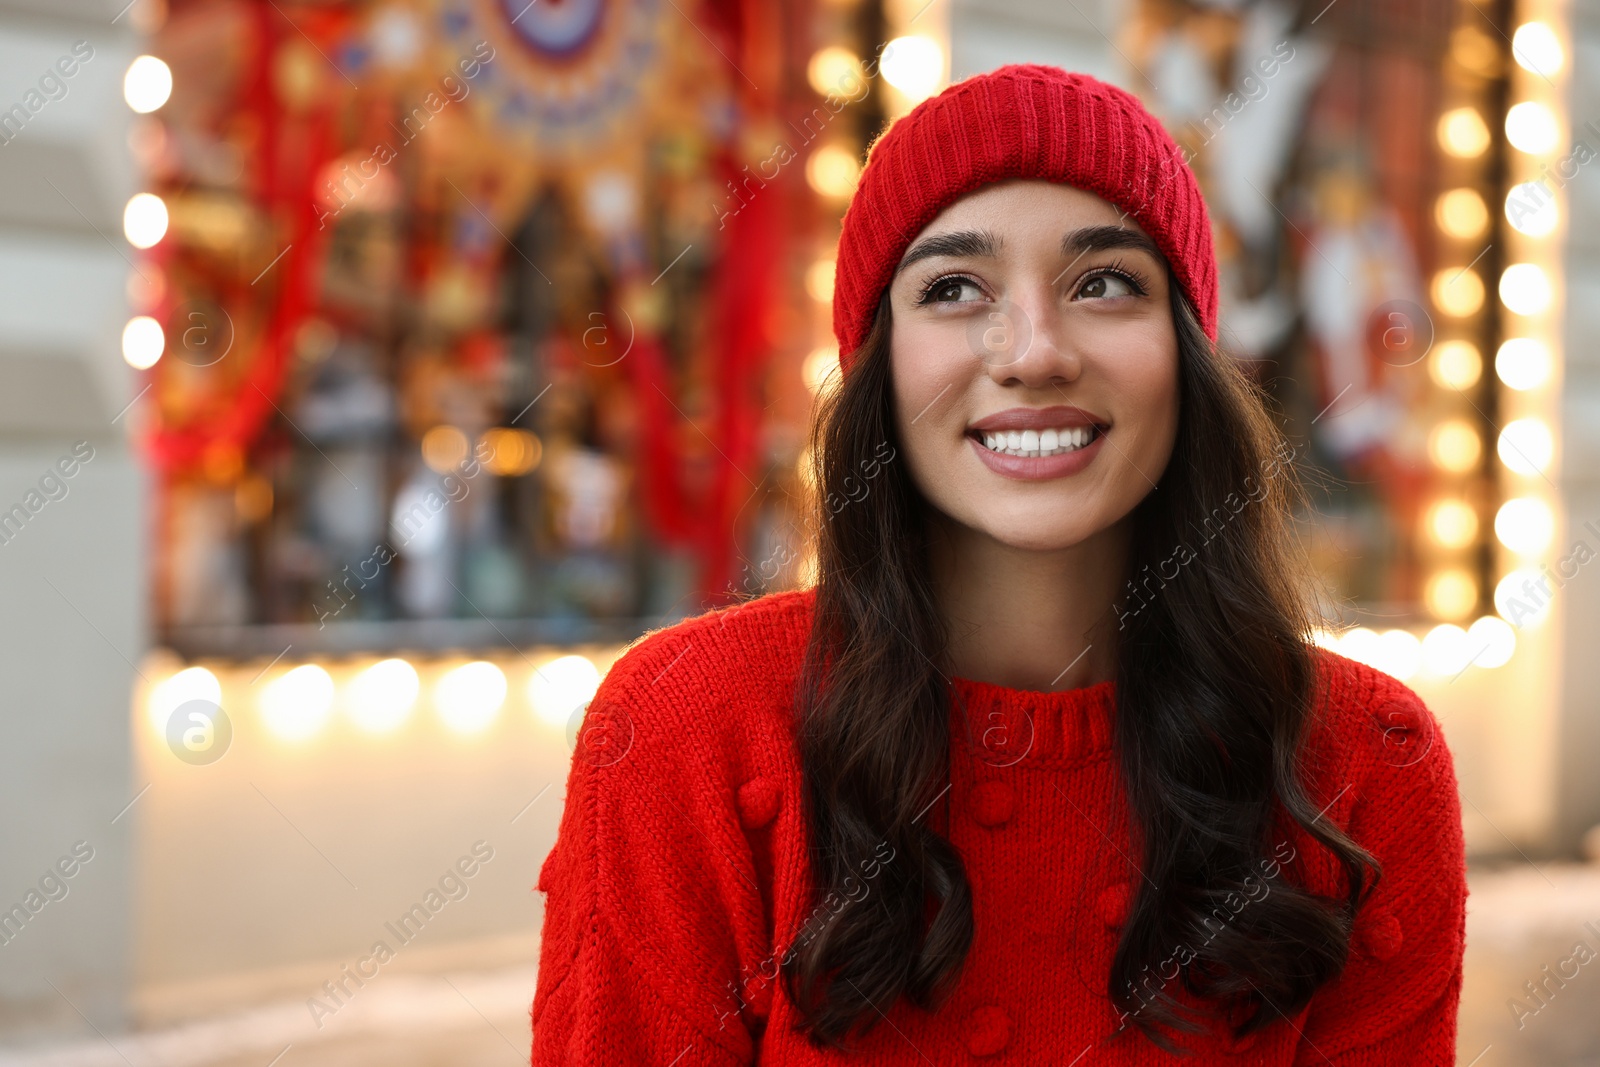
{"type": "Point", "coordinates": [1033, 317]}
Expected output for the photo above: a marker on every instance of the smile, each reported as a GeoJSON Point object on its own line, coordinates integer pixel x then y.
{"type": "Point", "coordinates": [1037, 443]}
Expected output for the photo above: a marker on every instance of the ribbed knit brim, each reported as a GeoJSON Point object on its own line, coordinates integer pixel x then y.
{"type": "Point", "coordinates": [1020, 121]}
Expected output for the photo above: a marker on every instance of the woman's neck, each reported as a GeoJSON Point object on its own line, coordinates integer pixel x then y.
{"type": "Point", "coordinates": [1028, 619]}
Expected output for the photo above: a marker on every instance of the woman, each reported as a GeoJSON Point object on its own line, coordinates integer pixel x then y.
{"type": "Point", "coordinates": [1045, 766]}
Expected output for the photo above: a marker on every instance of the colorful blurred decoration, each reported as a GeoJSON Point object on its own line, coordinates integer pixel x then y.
{"type": "Point", "coordinates": [466, 308]}
{"type": "Point", "coordinates": [1346, 157]}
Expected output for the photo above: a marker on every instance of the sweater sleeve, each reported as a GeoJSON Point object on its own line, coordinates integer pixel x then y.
{"type": "Point", "coordinates": [645, 886]}
{"type": "Point", "coordinates": [1397, 999]}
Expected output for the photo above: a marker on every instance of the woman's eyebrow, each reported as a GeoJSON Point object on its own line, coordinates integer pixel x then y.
{"type": "Point", "coordinates": [1076, 243]}
{"type": "Point", "coordinates": [1096, 238]}
{"type": "Point", "coordinates": [954, 243]}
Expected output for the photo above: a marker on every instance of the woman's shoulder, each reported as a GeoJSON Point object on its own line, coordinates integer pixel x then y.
{"type": "Point", "coordinates": [714, 679]}
{"type": "Point", "coordinates": [1373, 718]}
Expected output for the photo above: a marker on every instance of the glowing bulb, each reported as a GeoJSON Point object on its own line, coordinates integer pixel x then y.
{"type": "Point", "coordinates": [296, 705]}
{"type": "Point", "coordinates": [144, 220]}
{"type": "Point", "coordinates": [1455, 446]}
{"type": "Point", "coordinates": [1399, 654]}
{"type": "Point", "coordinates": [1492, 641]}
{"type": "Point", "coordinates": [1523, 597]}
{"type": "Point", "coordinates": [819, 280]}
{"type": "Point", "coordinates": [1457, 291]}
{"type": "Point", "coordinates": [147, 85]}
{"type": "Point", "coordinates": [1525, 446]}
{"type": "Point", "coordinates": [1461, 213]}
{"type": "Point", "coordinates": [1445, 650]}
{"type": "Point", "coordinates": [1531, 209]}
{"type": "Point", "coordinates": [560, 687]}
{"type": "Point", "coordinates": [1451, 593]}
{"type": "Point", "coordinates": [1537, 49]}
{"type": "Point", "coordinates": [191, 683]}
{"type": "Point", "coordinates": [143, 341]}
{"type": "Point", "coordinates": [1531, 128]}
{"type": "Point", "coordinates": [443, 447]}
{"type": "Point", "coordinates": [1453, 523]}
{"type": "Point", "coordinates": [1362, 645]}
{"type": "Point", "coordinates": [819, 365]}
{"type": "Point", "coordinates": [914, 65]}
{"type": "Point", "coordinates": [1525, 525]}
{"type": "Point", "coordinates": [469, 697]}
{"type": "Point", "coordinates": [1456, 365]}
{"type": "Point", "coordinates": [833, 171]}
{"type": "Point", "coordinates": [1525, 288]}
{"type": "Point", "coordinates": [1523, 363]}
{"type": "Point", "coordinates": [1463, 133]}
{"type": "Point", "coordinates": [382, 696]}
{"type": "Point", "coordinates": [836, 71]}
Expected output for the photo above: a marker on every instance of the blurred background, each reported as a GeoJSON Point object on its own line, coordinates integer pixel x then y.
{"type": "Point", "coordinates": [374, 372]}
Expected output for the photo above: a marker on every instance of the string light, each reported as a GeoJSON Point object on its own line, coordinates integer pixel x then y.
{"type": "Point", "coordinates": [1453, 523]}
{"type": "Point", "coordinates": [1537, 49]}
{"type": "Point", "coordinates": [383, 695]}
{"type": "Point", "coordinates": [1525, 525]}
{"type": "Point", "coordinates": [835, 71]}
{"type": "Point", "coordinates": [1523, 363]}
{"type": "Point", "coordinates": [1495, 641]}
{"type": "Point", "coordinates": [191, 683]}
{"type": "Point", "coordinates": [1446, 650]}
{"type": "Point", "coordinates": [1458, 291]}
{"type": "Point", "coordinates": [295, 705]}
{"type": "Point", "coordinates": [470, 696]}
{"type": "Point", "coordinates": [1451, 593]}
{"type": "Point", "coordinates": [147, 84]}
{"type": "Point", "coordinates": [914, 65]}
{"type": "Point", "coordinates": [833, 171]}
{"type": "Point", "coordinates": [1461, 213]}
{"type": "Point", "coordinates": [1455, 446]}
{"type": "Point", "coordinates": [558, 688]}
{"type": "Point", "coordinates": [1456, 365]}
{"type": "Point", "coordinates": [1525, 446]}
{"type": "Point", "coordinates": [143, 341]}
{"type": "Point", "coordinates": [1531, 209]}
{"type": "Point", "coordinates": [819, 366]}
{"type": "Point", "coordinates": [1523, 596]}
{"type": "Point", "coordinates": [1531, 128]}
{"type": "Point", "coordinates": [1463, 133]}
{"type": "Point", "coordinates": [144, 220]}
{"type": "Point", "coordinates": [1525, 288]}
{"type": "Point", "coordinates": [443, 447]}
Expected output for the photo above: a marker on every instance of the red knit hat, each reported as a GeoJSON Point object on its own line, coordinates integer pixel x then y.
{"type": "Point", "coordinates": [1024, 120]}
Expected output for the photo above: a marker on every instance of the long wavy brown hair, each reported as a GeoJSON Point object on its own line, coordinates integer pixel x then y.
{"type": "Point", "coordinates": [1207, 729]}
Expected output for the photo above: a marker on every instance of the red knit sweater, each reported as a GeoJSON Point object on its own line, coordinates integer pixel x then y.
{"type": "Point", "coordinates": [680, 872]}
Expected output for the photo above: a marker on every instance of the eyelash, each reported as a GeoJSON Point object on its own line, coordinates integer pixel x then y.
{"type": "Point", "coordinates": [1136, 281]}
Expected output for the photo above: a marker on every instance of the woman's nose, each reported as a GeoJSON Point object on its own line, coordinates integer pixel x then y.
{"type": "Point", "coordinates": [1024, 340]}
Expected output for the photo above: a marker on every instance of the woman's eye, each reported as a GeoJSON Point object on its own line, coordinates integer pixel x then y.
{"type": "Point", "coordinates": [1105, 286]}
{"type": "Point", "coordinates": [950, 291]}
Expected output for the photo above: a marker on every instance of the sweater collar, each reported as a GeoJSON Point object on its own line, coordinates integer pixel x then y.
{"type": "Point", "coordinates": [1005, 727]}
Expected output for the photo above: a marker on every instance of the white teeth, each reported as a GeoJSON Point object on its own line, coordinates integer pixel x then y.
{"type": "Point", "coordinates": [1038, 442]}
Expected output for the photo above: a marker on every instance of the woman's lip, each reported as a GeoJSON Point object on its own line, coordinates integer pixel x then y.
{"type": "Point", "coordinates": [1038, 468]}
{"type": "Point", "coordinates": [1056, 417]}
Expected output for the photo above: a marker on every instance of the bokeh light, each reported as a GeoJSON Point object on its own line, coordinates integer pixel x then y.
{"type": "Point", "coordinates": [469, 697]}
{"type": "Point", "coordinates": [1523, 363]}
{"type": "Point", "coordinates": [295, 705]}
{"type": "Point", "coordinates": [147, 84]}
{"type": "Point", "coordinates": [383, 696]}
{"type": "Point", "coordinates": [558, 688]}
